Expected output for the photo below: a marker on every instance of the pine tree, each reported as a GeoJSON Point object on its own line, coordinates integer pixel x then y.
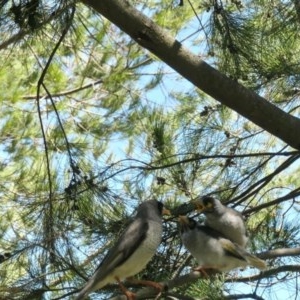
{"type": "Point", "coordinates": [104, 108]}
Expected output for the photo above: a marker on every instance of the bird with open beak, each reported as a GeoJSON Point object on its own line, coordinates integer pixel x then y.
{"type": "Point", "coordinates": [229, 222]}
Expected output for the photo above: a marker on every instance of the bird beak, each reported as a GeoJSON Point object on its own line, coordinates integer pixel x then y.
{"type": "Point", "coordinates": [183, 220]}
{"type": "Point", "coordinates": [166, 212]}
{"type": "Point", "coordinates": [198, 205]}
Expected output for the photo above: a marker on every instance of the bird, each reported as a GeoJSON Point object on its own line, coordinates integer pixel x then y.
{"type": "Point", "coordinates": [212, 250]}
{"type": "Point", "coordinates": [226, 220]}
{"type": "Point", "coordinates": [131, 252]}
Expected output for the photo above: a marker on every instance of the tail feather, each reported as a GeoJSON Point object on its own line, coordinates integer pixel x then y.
{"type": "Point", "coordinates": [256, 262]}
{"type": "Point", "coordinates": [82, 294]}
{"type": "Point", "coordinates": [90, 287]}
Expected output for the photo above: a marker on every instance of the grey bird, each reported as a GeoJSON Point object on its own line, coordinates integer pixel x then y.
{"type": "Point", "coordinates": [212, 250]}
{"type": "Point", "coordinates": [226, 220]}
{"type": "Point", "coordinates": [132, 251]}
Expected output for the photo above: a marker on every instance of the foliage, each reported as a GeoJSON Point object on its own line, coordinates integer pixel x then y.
{"type": "Point", "coordinates": [109, 126]}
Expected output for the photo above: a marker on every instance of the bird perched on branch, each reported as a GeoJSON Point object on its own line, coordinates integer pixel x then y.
{"type": "Point", "coordinates": [214, 251]}
{"type": "Point", "coordinates": [226, 220]}
{"type": "Point", "coordinates": [132, 251]}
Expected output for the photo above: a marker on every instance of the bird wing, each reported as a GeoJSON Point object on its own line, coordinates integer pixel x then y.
{"type": "Point", "coordinates": [256, 262]}
{"type": "Point", "coordinates": [236, 251]}
{"type": "Point", "coordinates": [130, 239]}
{"type": "Point", "coordinates": [232, 249]}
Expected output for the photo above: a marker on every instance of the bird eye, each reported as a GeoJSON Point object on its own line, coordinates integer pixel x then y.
{"type": "Point", "coordinates": [200, 206]}
{"type": "Point", "coordinates": [210, 205]}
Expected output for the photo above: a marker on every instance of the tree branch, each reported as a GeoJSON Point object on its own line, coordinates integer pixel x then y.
{"type": "Point", "coordinates": [266, 274]}
{"type": "Point", "coordinates": [157, 40]}
{"type": "Point", "coordinates": [147, 293]}
{"type": "Point", "coordinates": [258, 185]}
{"type": "Point", "coordinates": [244, 296]}
{"type": "Point", "coordinates": [279, 253]}
{"type": "Point", "coordinates": [277, 201]}
{"type": "Point", "coordinates": [192, 277]}
{"type": "Point", "coordinates": [65, 93]}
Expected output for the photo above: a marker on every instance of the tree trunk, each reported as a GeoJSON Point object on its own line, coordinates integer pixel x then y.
{"type": "Point", "coordinates": [228, 92]}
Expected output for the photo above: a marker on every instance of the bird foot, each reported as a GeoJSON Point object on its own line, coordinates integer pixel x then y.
{"type": "Point", "coordinates": [202, 271]}
{"type": "Point", "coordinates": [130, 295]}
{"type": "Point", "coordinates": [149, 283]}
{"type": "Point", "coordinates": [127, 293]}
{"type": "Point", "coordinates": [206, 271]}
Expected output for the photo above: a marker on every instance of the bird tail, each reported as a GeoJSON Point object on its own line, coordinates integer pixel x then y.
{"type": "Point", "coordinates": [82, 295]}
{"type": "Point", "coordinates": [256, 262]}
{"type": "Point", "coordinates": [84, 292]}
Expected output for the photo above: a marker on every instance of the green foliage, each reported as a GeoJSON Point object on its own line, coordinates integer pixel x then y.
{"type": "Point", "coordinates": [207, 289]}
{"type": "Point", "coordinates": [113, 126]}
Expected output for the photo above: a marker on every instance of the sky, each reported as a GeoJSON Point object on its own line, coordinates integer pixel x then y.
{"type": "Point", "coordinates": [159, 96]}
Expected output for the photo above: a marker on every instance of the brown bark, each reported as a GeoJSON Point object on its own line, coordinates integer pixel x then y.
{"type": "Point", "coordinates": [228, 92]}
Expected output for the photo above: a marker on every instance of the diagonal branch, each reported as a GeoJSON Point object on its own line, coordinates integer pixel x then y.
{"type": "Point", "coordinates": [230, 93]}
{"type": "Point", "coordinates": [258, 185]}
{"type": "Point", "coordinates": [289, 196]}
{"type": "Point", "coordinates": [266, 274]}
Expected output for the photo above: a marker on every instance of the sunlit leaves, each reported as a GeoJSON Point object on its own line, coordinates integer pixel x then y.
{"type": "Point", "coordinates": [113, 126]}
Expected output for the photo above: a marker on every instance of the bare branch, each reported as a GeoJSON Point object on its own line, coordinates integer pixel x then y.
{"type": "Point", "coordinates": [279, 253]}
{"type": "Point", "coordinates": [244, 296]}
{"type": "Point", "coordinates": [254, 188]}
{"type": "Point", "coordinates": [289, 196]}
{"type": "Point", "coordinates": [65, 93]}
{"type": "Point", "coordinates": [266, 274]}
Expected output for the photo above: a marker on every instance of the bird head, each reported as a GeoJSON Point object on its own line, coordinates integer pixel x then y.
{"type": "Point", "coordinates": [166, 211]}
{"type": "Point", "coordinates": [205, 204]}
{"type": "Point", "coordinates": [186, 223]}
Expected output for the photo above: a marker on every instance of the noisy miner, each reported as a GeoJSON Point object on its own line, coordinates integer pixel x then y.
{"type": "Point", "coordinates": [226, 220]}
{"type": "Point", "coordinates": [212, 250]}
{"type": "Point", "coordinates": [131, 253]}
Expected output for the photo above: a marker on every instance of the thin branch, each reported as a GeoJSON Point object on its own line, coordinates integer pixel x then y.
{"type": "Point", "coordinates": [152, 166]}
{"type": "Point", "coordinates": [279, 253]}
{"type": "Point", "coordinates": [244, 296]}
{"type": "Point", "coordinates": [41, 83]}
{"type": "Point", "coordinates": [144, 166]}
{"type": "Point", "coordinates": [277, 201]}
{"type": "Point", "coordinates": [65, 93]}
{"type": "Point", "coordinates": [48, 224]}
{"type": "Point", "coordinates": [266, 274]}
{"type": "Point", "coordinates": [254, 188]}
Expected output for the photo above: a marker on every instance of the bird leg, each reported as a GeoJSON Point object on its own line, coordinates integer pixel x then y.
{"type": "Point", "coordinates": [149, 283]}
{"type": "Point", "coordinates": [128, 294]}
{"type": "Point", "coordinates": [203, 270]}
